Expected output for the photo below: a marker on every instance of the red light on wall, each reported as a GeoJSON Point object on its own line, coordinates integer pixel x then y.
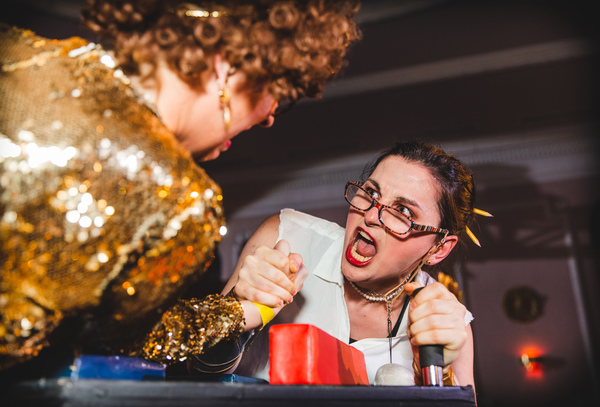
{"type": "Point", "coordinates": [530, 359]}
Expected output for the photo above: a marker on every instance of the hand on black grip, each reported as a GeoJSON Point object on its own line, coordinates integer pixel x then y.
{"type": "Point", "coordinates": [432, 360]}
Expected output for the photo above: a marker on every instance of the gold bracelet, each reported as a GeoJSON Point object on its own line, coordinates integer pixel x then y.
{"type": "Point", "coordinates": [418, 374]}
{"type": "Point", "coordinates": [266, 313]}
{"type": "Point", "coordinates": [448, 377]}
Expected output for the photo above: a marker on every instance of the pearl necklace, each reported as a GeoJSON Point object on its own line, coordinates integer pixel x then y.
{"type": "Point", "coordinates": [388, 297]}
{"type": "Point", "coordinates": [373, 296]}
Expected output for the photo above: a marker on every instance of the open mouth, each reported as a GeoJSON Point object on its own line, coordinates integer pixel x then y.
{"type": "Point", "coordinates": [361, 249]}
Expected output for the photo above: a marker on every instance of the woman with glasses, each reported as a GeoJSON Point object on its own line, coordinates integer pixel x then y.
{"type": "Point", "coordinates": [105, 216]}
{"type": "Point", "coordinates": [405, 218]}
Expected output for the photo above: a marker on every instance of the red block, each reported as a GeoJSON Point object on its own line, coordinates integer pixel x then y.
{"type": "Point", "coordinates": [304, 354]}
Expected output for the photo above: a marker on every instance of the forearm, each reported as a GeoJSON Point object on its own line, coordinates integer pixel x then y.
{"type": "Point", "coordinates": [463, 365]}
{"type": "Point", "coordinates": [192, 326]}
{"type": "Point", "coordinates": [224, 357]}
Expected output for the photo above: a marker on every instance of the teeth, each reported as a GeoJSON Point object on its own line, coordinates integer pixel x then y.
{"type": "Point", "coordinates": [365, 236]}
{"type": "Point", "coordinates": [356, 255]}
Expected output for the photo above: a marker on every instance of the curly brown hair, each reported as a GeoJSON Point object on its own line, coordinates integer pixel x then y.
{"type": "Point", "coordinates": [294, 47]}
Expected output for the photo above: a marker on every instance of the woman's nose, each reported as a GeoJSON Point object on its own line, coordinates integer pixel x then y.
{"type": "Point", "coordinates": [372, 215]}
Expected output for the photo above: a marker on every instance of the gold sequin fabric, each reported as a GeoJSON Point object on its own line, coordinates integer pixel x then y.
{"type": "Point", "coordinates": [450, 284]}
{"type": "Point", "coordinates": [192, 326]}
{"type": "Point", "coordinates": [103, 217]}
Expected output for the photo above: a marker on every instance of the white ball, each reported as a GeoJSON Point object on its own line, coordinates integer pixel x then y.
{"type": "Point", "coordinates": [393, 374]}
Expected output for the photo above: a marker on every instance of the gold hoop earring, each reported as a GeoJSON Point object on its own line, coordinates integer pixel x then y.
{"type": "Point", "coordinates": [225, 97]}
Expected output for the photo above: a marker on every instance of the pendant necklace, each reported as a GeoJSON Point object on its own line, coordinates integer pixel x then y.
{"type": "Point", "coordinates": [389, 298]}
{"type": "Point", "coordinates": [390, 373]}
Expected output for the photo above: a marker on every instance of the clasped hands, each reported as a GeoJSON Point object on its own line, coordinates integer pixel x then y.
{"type": "Point", "coordinates": [271, 277]}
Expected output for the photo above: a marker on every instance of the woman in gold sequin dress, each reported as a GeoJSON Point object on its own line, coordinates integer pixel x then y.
{"type": "Point", "coordinates": [104, 215]}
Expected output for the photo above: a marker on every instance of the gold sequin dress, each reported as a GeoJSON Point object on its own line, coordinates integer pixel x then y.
{"type": "Point", "coordinates": [104, 218]}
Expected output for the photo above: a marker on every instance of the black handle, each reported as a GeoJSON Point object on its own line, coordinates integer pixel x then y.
{"type": "Point", "coordinates": [432, 360]}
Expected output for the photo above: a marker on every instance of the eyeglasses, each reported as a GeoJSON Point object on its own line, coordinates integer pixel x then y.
{"type": "Point", "coordinates": [392, 219]}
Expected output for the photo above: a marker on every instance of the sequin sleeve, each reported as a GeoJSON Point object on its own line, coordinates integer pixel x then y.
{"type": "Point", "coordinates": [192, 326]}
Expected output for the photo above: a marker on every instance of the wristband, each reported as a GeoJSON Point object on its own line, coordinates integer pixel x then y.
{"type": "Point", "coordinates": [266, 313]}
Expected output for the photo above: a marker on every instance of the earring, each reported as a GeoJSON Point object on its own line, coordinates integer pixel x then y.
{"type": "Point", "coordinates": [225, 97]}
